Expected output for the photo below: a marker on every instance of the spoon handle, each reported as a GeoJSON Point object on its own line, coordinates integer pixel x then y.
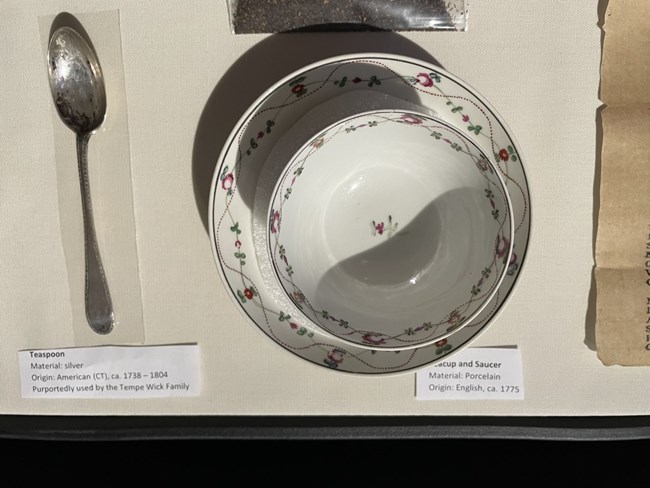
{"type": "Point", "coordinates": [99, 309]}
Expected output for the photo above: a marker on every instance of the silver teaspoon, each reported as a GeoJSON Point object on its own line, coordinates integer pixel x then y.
{"type": "Point", "coordinates": [77, 86]}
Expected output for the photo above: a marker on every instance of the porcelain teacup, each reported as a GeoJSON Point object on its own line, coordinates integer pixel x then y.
{"type": "Point", "coordinates": [390, 230]}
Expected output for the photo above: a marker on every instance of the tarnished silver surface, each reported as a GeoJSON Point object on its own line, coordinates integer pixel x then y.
{"type": "Point", "coordinates": [78, 91]}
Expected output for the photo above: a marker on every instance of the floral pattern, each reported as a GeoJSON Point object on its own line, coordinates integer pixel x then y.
{"type": "Point", "coordinates": [484, 286]}
{"type": "Point", "coordinates": [436, 90]}
{"type": "Point", "coordinates": [380, 228]}
{"type": "Point", "coordinates": [507, 154]}
{"type": "Point", "coordinates": [275, 221]}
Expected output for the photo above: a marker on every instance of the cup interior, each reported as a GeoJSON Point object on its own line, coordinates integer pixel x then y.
{"type": "Point", "coordinates": [390, 230]}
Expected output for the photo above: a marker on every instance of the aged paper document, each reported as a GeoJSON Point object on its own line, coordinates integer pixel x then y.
{"type": "Point", "coordinates": [623, 238]}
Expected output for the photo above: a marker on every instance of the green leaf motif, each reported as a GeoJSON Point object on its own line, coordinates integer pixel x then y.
{"type": "Point", "coordinates": [297, 80]}
{"type": "Point", "coordinates": [374, 81]}
{"type": "Point", "coordinates": [513, 154]}
{"type": "Point", "coordinates": [241, 256]}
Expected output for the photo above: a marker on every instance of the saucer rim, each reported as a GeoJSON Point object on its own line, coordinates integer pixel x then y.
{"type": "Point", "coordinates": [386, 57]}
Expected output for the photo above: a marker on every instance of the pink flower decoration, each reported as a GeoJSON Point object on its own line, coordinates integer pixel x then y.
{"type": "Point", "coordinates": [226, 182]}
{"type": "Point", "coordinates": [502, 247]}
{"type": "Point", "coordinates": [465, 118]}
{"type": "Point", "coordinates": [411, 119]}
{"type": "Point", "coordinates": [298, 296]}
{"type": "Point", "coordinates": [454, 317]}
{"type": "Point", "coordinates": [318, 142]}
{"type": "Point", "coordinates": [424, 79]}
{"type": "Point", "coordinates": [370, 338]}
{"type": "Point", "coordinates": [275, 220]}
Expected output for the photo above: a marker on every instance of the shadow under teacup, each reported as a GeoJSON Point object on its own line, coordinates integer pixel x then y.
{"type": "Point", "coordinates": [390, 230]}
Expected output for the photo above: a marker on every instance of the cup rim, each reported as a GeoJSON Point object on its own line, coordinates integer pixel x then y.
{"type": "Point", "coordinates": [469, 318]}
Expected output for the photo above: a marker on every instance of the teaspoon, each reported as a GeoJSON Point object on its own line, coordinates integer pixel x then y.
{"type": "Point", "coordinates": [77, 86]}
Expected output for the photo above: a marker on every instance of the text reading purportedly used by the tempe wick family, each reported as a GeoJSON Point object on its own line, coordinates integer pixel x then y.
{"type": "Point", "coordinates": [110, 372]}
{"type": "Point", "coordinates": [474, 374]}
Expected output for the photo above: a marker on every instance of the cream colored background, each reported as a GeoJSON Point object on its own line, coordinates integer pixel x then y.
{"type": "Point", "coordinates": [537, 62]}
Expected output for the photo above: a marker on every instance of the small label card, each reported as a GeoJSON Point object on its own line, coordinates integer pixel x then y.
{"type": "Point", "coordinates": [110, 372]}
{"type": "Point", "coordinates": [474, 374]}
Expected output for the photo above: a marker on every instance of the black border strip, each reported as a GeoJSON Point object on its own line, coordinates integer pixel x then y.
{"type": "Point", "coordinates": [136, 428]}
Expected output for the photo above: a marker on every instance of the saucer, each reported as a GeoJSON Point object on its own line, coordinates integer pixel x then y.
{"type": "Point", "coordinates": [277, 125]}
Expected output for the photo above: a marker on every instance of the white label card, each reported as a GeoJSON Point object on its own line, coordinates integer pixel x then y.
{"type": "Point", "coordinates": [473, 374]}
{"type": "Point", "coordinates": [111, 372]}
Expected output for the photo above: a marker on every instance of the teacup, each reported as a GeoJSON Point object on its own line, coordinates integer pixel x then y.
{"type": "Point", "coordinates": [390, 229]}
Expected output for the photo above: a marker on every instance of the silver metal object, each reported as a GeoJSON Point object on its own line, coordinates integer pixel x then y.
{"type": "Point", "coordinates": [77, 86]}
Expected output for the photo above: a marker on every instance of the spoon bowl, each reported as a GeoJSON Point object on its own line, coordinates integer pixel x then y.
{"type": "Point", "coordinates": [79, 94]}
{"type": "Point", "coordinates": [76, 81]}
